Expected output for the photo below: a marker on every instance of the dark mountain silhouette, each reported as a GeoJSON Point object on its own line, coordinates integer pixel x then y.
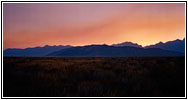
{"type": "Point", "coordinates": [127, 44]}
{"type": "Point", "coordinates": [36, 51]}
{"type": "Point", "coordinates": [111, 51]}
{"type": "Point", "coordinates": [176, 45]}
{"type": "Point", "coordinates": [171, 48]}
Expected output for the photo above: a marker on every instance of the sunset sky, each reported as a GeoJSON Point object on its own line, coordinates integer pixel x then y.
{"type": "Point", "coordinates": [38, 24]}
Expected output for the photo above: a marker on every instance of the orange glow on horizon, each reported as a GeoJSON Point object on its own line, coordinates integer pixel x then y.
{"type": "Point", "coordinates": [84, 24]}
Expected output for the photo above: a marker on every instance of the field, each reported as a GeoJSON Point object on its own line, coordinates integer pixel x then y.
{"type": "Point", "coordinates": [94, 77]}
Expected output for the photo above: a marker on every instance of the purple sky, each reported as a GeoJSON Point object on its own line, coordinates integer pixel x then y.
{"type": "Point", "coordinates": [38, 24]}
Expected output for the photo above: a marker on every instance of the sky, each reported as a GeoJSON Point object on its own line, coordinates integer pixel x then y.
{"type": "Point", "coordinates": [77, 24]}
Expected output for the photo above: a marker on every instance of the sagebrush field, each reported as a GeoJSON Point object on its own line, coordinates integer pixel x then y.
{"type": "Point", "coordinates": [94, 76]}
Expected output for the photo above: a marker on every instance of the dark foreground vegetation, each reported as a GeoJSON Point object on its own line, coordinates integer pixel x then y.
{"type": "Point", "coordinates": [101, 77]}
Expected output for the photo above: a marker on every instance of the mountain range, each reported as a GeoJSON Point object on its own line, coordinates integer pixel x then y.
{"type": "Point", "coordinates": [176, 45]}
{"type": "Point", "coordinates": [170, 48]}
{"type": "Point", "coordinates": [36, 51]}
{"type": "Point", "coordinates": [111, 51]}
{"type": "Point", "coordinates": [127, 44]}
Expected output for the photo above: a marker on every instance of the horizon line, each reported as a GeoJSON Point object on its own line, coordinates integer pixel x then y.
{"type": "Point", "coordinates": [96, 44]}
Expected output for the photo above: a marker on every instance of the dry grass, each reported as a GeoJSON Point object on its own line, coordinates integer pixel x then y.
{"type": "Point", "coordinates": [106, 77]}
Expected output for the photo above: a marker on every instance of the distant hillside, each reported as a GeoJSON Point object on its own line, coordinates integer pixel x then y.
{"type": "Point", "coordinates": [171, 48]}
{"type": "Point", "coordinates": [127, 44]}
{"type": "Point", "coordinates": [111, 51]}
{"type": "Point", "coordinates": [176, 45]}
{"type": "Point", "coordinates": [36, 51]}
